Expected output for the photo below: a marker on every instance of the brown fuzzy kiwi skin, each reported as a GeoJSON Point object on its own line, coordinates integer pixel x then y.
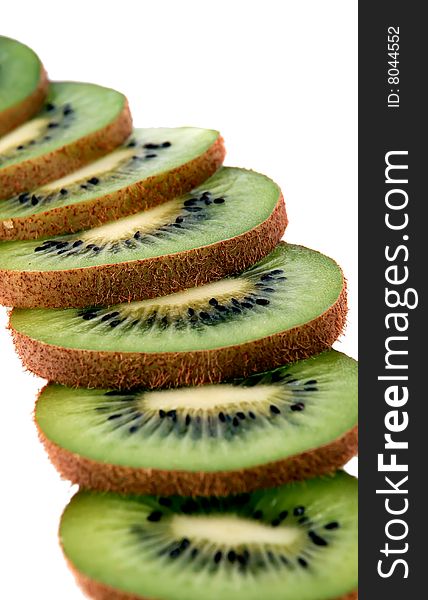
{"type": "Point", "coordinates": [148, 278]}
{"type": "Point", "coordinates": [19, 113]}
{"type": "Point", "coordinates": [32, 173]}
{"type": "Point", "coordinates": [127, 370]}
{"type": "Point", "coordinates": [136, 197]}
{"type": "Point", "coordinates": [100, 591]}
{"type": "Point", "coordinates": [90, 474]}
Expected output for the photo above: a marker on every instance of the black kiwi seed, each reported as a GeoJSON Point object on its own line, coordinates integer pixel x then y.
{"type": "Point", "coordinates": [77, 243]}
{"type": "Point", "coordinates": [190, 312]}
{"type": "Point", "coordinates": [218, 556]}
{"type": "Point", "coordinates": [166, 144]}
{"type": "Point", "coordinates": [302, 562]}
{"type": "Point", "coordinates": [94, 180]}
{"type": "Point", "coordinates": [221, 416]}
{"type": "Point", "coordinates": [240, 415]}
{"type": "Point", "coordinates": [88, 316]}
{"type": "Point", "coordinates": [298, 511]}
{"type": "Point", "coordinates": [53, 125]}
{"type": "Point", "coordinates": [63, 191]}
{"type": "Point", "coordinates": [316, 539]}
{"type": "Point", "coordinates": [262, 301]}
{"type": "Point", "coordinates": [50, 107]}
{"type": "Point", "coordinates": [332, 525]}
{"type": "Point", "coordinates": [251, 415]}
{"type": "Point", "coordinates": [133, 429]}
{"type": "Point", "coordinates": [218, 200]}
{"type": "Point", "coordinates": [277, 272]}
{"type": "Point", "coordinates": [184, 544]}
{"type": "Point", "coordinates": [220, 307]}
{"type": "Point", "coordinates": [213, 301]}
{"type": "Point", "coordinates": [151, 155]}
{"type": "Point", "coordinates": [274, 409]}
{"type": "Point", "coordinates": [165, 501]}
{"type": "Point", "coordinates": [34, 200]}
{"type": "Point", "coordinates": [108, 316]}
{"type": "Point", "coordinates": [247, 305]}
{"type": "Point", "coordinates": [194, 553]}
{"type": "Point", "coordinates": [155, 516]}
{"type": "Point", "coordinates": [151, 146]}
{"type": "Point", "coordinates": [115, 416]}
{"type": "Point", "coordinates": [189, 506]}
{"type": "Point", "coordinates": [298, 406]}
{"type": "Point", "coordinates": [174, 553]}
{"type": "Point", "coordinates": [132, 144]}
{"type": "Point", "coordinates": [23, 197]}
{"type": "Point", "coordinates": [231, 556]}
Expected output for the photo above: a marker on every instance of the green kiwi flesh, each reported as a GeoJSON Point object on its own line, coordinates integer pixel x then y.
{"type": "Point", "coordinates": [295, 542]}
{"type": "Point", "coordinates": [79, 122]}
{"type": "Point", "coordinates": [288, 306]}
{"type": "Point", "coordinates": [23, 84]}
{"type": "Point", "coordinates": [151, 166]}
{"type": "Point", "coordinates": [230, 430]}
{"type": "Point", "coordinates": [67, 270]}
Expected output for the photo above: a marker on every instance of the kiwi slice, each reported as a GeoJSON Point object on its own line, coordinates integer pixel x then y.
{"type": "Point", "coordinates": [295, 542]}
{"type": "Point", "coordinates": [294, 422]}
{"type": "Point", "coordinates": [79, 123]}
{"type": "Point", "coordinates": [23, 84]}
{"type": "Point", "coordinates": [192, 238]}
{"type": "Point", "coordinates": [290, 305]}
{"type": "Point", "coordinates": [152, 166]}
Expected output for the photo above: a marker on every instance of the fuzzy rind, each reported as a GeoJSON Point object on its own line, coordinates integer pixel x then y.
{"type": "Point", "coordinates": [133, 198]}
{"type": "Point", "coordinates": [19, 113]}
{"type": "Point", "coordinates": [100, 591]}
{"type": "Point", "coordinates": [148, 278]}
{"type": "Point", "coordinates": [32, 173]}
{"type": "Point", "coordinates": [127, 370]}
{"type": "Point", "coordinates": [90, 474]}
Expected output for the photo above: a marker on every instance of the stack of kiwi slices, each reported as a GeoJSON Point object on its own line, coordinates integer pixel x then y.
{"type": "Point", "coordinates": [193, 395]}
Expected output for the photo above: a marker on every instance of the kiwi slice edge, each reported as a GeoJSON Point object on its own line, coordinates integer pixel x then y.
{"type": "Point", "coordinates": [23, 84]}
{"type": "Point", "coordinates": [198, 252]}
{"type": "Point", "coordinates": [52, 145]}
{"type": "Point", "coordinates": [93, 348]}
{"type": "Point", "coordinates": [58, 208]}
{"type": "Point", "coordinates": [292, 423]}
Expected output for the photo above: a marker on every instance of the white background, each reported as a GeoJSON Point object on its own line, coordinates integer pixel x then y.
{"type": "Point", "coordinates": [279, 79]}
